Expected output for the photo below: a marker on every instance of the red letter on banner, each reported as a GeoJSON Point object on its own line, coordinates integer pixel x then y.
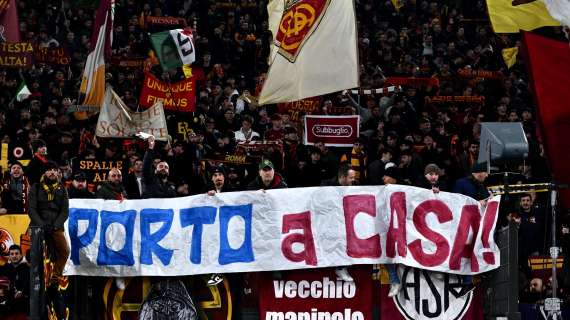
{"type": "Point", "coordinates": [301, 221]}
{"type": "Point", "coordinates": [470, 220]}
{"type": "Point", "coordinates": [356, 247]}
{"type": "Point", "coordinates": [443, 214]}
{"type": "Point", "coordinates": [397, 236]}
{"type": "Point", "coordinates": [488, 223]}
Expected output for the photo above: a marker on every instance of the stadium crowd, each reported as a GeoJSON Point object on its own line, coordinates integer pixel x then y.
{"type": "Point", "coordinates": [406, 138]}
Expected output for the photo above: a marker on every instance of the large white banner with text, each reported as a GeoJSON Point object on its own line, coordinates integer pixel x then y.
{"type": "Point", "coordinates": [282, 229]}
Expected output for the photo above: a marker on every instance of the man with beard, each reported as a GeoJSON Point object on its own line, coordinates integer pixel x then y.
{"type": "Point", "coordinates": [165, 291]}
{"type": "Point", "coordinates": [15, 192]}
{"type": "Point", "coordinates": [49, 209]}
{"type": "Point", "coordinates": [78, 188]}
{"type": "Point", "coordinates": [112, 189]}
{"type": "Point", "coordinates": [156, 184]}
{"type": "Point", "coordinates": [218, 182]}
{"type": "Point", "coordinates": [430, 180]}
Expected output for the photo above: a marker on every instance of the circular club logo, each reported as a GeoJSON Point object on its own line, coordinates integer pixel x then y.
{"type": "Point", "coordinates": [431, 295]}
{"type": "Point", "coordinates": [18, 152]}
{"type": "Point", "coordinates": [332, 131]}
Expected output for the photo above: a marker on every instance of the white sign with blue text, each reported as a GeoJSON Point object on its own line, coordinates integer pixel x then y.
{"type": "Point", "coordinates": [282, 229]}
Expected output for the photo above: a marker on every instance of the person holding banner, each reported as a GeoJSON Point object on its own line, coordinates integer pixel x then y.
{"type": "Point", "coordinates": [346, 177]}
{"type": "Point", "coordinates": [113, 188]}
{"type": "Point", "coordinates": [392, 176]}
{"type": "Point", "coordinates": [217, 185]}
{"type": "Point", "coordinates": [267, 178]}
{"type": "Point", "coordinates": [49, 209]}
{"type": "Point", "coordinates": [218, 181]}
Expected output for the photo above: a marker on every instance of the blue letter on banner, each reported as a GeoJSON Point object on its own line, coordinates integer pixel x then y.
{"type": "Point", "coordinates": [243, 253]}
{"type": "Point", "coordinates": [77, 241]}
{"type": "Point", "coordinates": [198, 217]}
{"type": "Point", "coordinates": [149, 242]}
{"type": "Point", "coordinates": [106, 255]}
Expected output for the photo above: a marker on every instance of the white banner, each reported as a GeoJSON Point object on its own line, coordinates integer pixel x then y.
{"type": "Point", "coordinates": [282, 229]}
{"type": "Point", "coordinates": [116, 120]}
{"type": "Point", "coordinates": [314, 49]}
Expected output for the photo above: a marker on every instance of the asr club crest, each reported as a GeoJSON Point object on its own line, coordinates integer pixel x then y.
{"type": "Point", "coordinates": [300, 19]}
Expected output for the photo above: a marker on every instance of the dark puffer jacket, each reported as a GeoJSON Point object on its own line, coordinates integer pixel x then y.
{"type": "Point", "coordinates": [44, 212]}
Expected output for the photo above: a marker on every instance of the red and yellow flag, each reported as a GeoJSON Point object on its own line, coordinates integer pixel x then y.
{"type": "Point", "coordinates": [93, 81]}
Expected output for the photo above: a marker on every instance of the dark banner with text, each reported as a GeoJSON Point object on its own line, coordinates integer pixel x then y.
{"type": "Point", "coordinates": [316, 294]}
{"type": "Point", "coordinates": [16, 55]}
{"type": "Point", "coordinates": [339, 131]}
{"type": "Point", "coordinates": [51, 56]}
{"type": "Point", "coordinates": [297, 109]}
{"type": "Point", "coordinates": [179, 96]}
{"type": "Point", "coordinates": [96, 170]}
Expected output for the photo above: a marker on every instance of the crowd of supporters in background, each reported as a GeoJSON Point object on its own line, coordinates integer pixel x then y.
{"type": "Point", "coordinates": [403, 135]}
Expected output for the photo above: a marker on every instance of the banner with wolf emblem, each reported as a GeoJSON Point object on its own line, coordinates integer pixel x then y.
{"type": "Point", "coordinates": [314, 50]}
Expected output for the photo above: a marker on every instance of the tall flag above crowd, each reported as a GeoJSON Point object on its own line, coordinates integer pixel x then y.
{"type": "Point", "coordinates": [314, 50]}
{"type": "Point", "coordinates": [509, 16]}
{"type": "Point", "coordinates": [93, 81]}
{"type": "Point", "coordinates": [548, 64]}
{"type": "Point", "coordinates": [9, 26]}
{"type": "Point", "coordinates": [174, 48]}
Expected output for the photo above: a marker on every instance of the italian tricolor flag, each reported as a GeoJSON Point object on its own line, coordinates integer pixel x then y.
{"type": "Point", "coordinates": [174, 48]}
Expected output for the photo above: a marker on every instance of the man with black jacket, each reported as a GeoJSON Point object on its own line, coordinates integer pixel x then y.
{"type": "Point", "coordinates": [113, 188]}
{"type": "Point", "coordinates": [267, 178]}
{"type": "Point", "coordinates": [49, 209]}
{"type": "Point", "coordinates": [18, 271]}
{"type": "Point", "coordinates": [156, 184]}
{"type": "Point", "coordinates": [218, 182]}
{"type": "Point", "coordinates": [78, 188]}
{"type": "Point", "coordinates": [164, 289]}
